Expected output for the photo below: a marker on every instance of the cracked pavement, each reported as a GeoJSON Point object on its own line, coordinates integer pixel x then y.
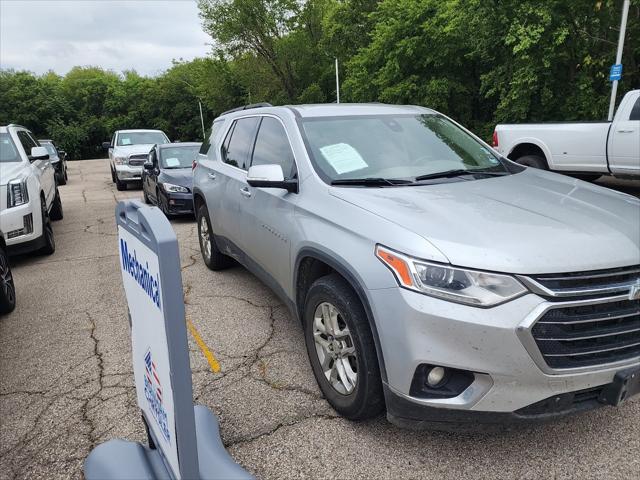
{"type": "Point", "coordinates": [66, 380]}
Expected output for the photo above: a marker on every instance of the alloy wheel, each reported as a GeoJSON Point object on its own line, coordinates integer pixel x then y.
{"type": "Point", "coordinates": [6, 279]}
{"type": "Point", "coordinates": [205, 238]}
{"type": "Point", "coordinates": [335, 348]}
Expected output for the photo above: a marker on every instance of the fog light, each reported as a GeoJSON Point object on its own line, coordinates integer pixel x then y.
{"type": "Point", "coordinates": [435, 376]}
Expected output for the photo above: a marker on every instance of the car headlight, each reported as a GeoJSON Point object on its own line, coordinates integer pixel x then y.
{"type": "Point", "coordinates": [120, 160]}
{"type": "Point", "coordinates": [17, 192]}
{"type": "Point", "coordinates": [170, 187]}
{"type": "Point", "coordinates": [471, 287]}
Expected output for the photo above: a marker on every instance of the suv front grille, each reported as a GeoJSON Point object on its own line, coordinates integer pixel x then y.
{"type": "Point", "coordinates": [601, 325]}
{"type": "Point", "coordinates": [588, 335]}
{"type": "Point", "coordinates": [137, 160]}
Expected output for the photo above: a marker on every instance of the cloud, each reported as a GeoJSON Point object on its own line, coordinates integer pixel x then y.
{"type": "Point", "coordinates": [141, 35]}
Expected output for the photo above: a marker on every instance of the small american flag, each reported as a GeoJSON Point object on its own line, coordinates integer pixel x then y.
{"type": "Point", "coordinates": [152, 376]}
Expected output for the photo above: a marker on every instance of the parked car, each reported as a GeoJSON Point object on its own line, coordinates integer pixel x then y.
{"type": "Point", "coordinates": [58, 159]}
{"type": "Point", "coordinates": [588, 149]}
{"type": "Point", "coordinates": [29, 197]}
{"type": "Point", "coordinates": [7, 287]}
{"type": "Point", "coordinates": [433, 278]}
{"type": "Point", "coordinates": [128, 150]}
{"type": "Point", "coordinates": [167, 179]}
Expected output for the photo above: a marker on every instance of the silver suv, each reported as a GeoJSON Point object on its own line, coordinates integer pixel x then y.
{"type": "Point", "coordinates": [432, 277]}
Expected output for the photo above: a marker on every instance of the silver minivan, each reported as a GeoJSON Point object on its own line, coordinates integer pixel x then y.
{"type": "Point", "coordinates": [433, 278]}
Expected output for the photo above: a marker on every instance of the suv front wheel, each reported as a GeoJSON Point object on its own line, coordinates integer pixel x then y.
{"type": "Point", "coordinates": [341, 349]}
{"type": "Point", "coordinates": [213, 258]}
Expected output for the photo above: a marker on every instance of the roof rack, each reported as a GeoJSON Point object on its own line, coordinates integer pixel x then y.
{"type": "Point", "coordinates": [247, 107]}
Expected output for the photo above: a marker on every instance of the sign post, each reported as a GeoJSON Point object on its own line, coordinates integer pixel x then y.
{"type": "Point", "coordinates": [616, 70]}
{"type": "Point", "coordinates": [184, 440]}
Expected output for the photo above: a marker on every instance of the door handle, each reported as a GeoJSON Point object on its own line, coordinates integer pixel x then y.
{"type": "Point", "coordinates": [212, 176]}
{"type": "Point", "coordinates": [245, 192]}
{"type": "Point", "coordinates": [626, 131]}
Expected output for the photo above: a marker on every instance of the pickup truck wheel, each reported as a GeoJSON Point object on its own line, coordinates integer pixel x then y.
{"type": "Point", "coordinates": [535, 161]}
{"type": "Point", "coordinates": [121, 186]}
{"type": "Point", "coordinates": [56, 208]}
{"type": "Point", "coordinates": [113, 175]}
{"type": "Point", "coordinates": [7, 288]}
{"type": "Point", "coordinates": [213, 258]}
{"type": "Point", "coordinates": [47, 231]}
{"type": "Point", "coordinates": [341, 349]}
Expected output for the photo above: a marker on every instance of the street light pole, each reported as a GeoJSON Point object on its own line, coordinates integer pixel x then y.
{"type": "Point", "coordinates": [204, 132]}
{"type": "Point", "coordinates": [337, 83]}
{"type": "Point", "coordinates": [614, 85]}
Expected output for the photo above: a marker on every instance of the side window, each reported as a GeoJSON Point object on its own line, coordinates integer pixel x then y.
{"type": "Point", "coordinates": [26, 141]}
{"type": "Point", "coordinates": [272, 147]}
{"type": "Point", "coordinates": [239, 142]}
{"type": "Point", "coordinates": [215, 129]}
{"type": "Point", "coordinates": [635, 111]}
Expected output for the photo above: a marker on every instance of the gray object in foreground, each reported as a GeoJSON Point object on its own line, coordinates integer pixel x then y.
{"type": "Point", "coordinates": [186, 438]}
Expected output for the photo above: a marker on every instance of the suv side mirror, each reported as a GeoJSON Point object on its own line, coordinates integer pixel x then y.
{"type": "Point", "coordinates": [270, 176]}
{"type": "Point", "coordinates": [148, 165]}
{"type": "Point", "coordinates": [106, 145]}
{"type": "Point", "coordinates": [39, 153]}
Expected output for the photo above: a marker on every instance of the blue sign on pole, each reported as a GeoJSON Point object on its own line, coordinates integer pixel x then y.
{"type": "Point", "coordinates": [616, 72]}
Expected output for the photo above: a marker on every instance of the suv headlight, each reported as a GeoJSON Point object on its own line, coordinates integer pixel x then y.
{"type": "Point", "coordinates": [17, 193]}
{"type": "Point", "coordinates": [120, 160]}
{"type": "Point", "coordinates": [471, 287]}
{"type": "Point", "coordinates": [170, 187]}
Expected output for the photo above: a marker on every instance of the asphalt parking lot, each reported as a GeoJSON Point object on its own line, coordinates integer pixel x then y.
{"type": "Point", "coordinates": [66, 379]}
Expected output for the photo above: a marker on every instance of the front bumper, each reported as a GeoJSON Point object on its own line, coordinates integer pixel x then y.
{"type": "Point", "coordinates": [179, 203]}
{"type": "Point", "coordinates": [21, 225]}
{"type": "Point", "coordinates": [416, 329]}
{"type": "Point", "coordinates": [127, 173]}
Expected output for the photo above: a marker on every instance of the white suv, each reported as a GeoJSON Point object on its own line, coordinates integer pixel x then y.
{"type": "Point", "coordinates": [29, 197]}
{"type": "Point", "coordinates": [128, 150]}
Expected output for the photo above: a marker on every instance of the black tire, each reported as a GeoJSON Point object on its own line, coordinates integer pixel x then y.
{"type": "Point", "coordinates": [61, 178]}
{"type": "Point", "coordinates": [7, 287]}
{"type": "Point", "coordinates": [121, 186]}
{"type": "Point", "coordinates": [366, 400]}
{"type": "Point", "coordinates": [66, 175]}
{"type": "Point", "coordinates": [535, 161]}
{"type": "Point", "coordinates": [113, 175]}
{"type": "Point", "coordinates": [56, 208]}
{"type": "Point", "coordinates": [47, 231]}
{"type": "Point", "coordinates": [215, 259]}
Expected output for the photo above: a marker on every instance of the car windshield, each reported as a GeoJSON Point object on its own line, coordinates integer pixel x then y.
{"type": "Point", "coordinates": [8, 151]}
{"type": "Point", "coordinates": [50, 148]}
{"type": "Point", "coordinates": [141, 138]}
{"type": "Point", "coordinates": [394, 147]}
{"type": "Point", "coordinates": [178, 157]}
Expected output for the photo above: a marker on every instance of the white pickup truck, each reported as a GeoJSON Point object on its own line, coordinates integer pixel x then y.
{"type": "Point", "coordinates": [585, 149]}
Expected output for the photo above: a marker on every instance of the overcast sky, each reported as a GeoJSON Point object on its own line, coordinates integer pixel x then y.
{"type": "Point", "coordinates": [57, 35]}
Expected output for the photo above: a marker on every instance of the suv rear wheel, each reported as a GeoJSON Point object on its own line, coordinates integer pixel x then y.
{"type": "Point", "coordinates": [341, 349]}
{"type": "Point", "coordinates": [213, 258]}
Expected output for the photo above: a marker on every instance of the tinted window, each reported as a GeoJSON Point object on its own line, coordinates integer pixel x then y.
{"type": "Point", "coordinates": [272, 147]}
{"type": "Point", "coordinates": [215, 128]}
{"type": "Point", "coordinates": [178, 157]}
{"type": "Point", "coordinates": [237, 151]}
{"type": "Point", "coordinates": [27, 142]}
{"type": "Point", "coordinates": [8, 151]}
{"type": "Point", "coordinates": [635, 111]}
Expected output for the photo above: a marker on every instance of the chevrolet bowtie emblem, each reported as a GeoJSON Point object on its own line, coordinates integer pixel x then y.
{"type": "Point", "coordinates": [634, 292]}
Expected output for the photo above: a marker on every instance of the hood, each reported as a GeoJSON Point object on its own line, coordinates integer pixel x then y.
{"type": "Point", "coordinates": [178, 176]}
{"type": "Point", "coordinates": [132, 149]}
{"type": "Point", "coordinates": [530, 222]}
{"type": "Point", "coordinates": [11, 170]}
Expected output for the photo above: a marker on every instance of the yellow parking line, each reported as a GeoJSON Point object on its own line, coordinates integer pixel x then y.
{"type": "Point", "coordinates": [213, 363]}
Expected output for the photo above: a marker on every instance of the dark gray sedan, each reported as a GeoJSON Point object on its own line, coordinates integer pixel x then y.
{"type": "Point", "coordinates": [166, 177]}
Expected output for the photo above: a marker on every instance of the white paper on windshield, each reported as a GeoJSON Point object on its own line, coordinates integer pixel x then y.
{"type": "Point", "coordinates": [343, 158]}
{"type": "Point", "coordinates": [126, 141]}
{"type": "Point", "coordinates": [172, 162]}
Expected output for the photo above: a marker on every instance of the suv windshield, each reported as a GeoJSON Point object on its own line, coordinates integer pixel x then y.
{"type": "Point", "coordinates": [178, 157]}
{"type": "Point", "coordinates": [396, 147]}
{"type": "Point", "coordinates": [50, 148]}
{"type": "Point", "coordinates": [8, 151]}
{"type": "Point", "coordinates": [141, 138]}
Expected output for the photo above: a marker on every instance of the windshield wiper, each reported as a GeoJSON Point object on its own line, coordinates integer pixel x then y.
{"type": "Point", "coordinates": [371, 181]}
{"type": "Point", "coordinates": [458, 172]}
